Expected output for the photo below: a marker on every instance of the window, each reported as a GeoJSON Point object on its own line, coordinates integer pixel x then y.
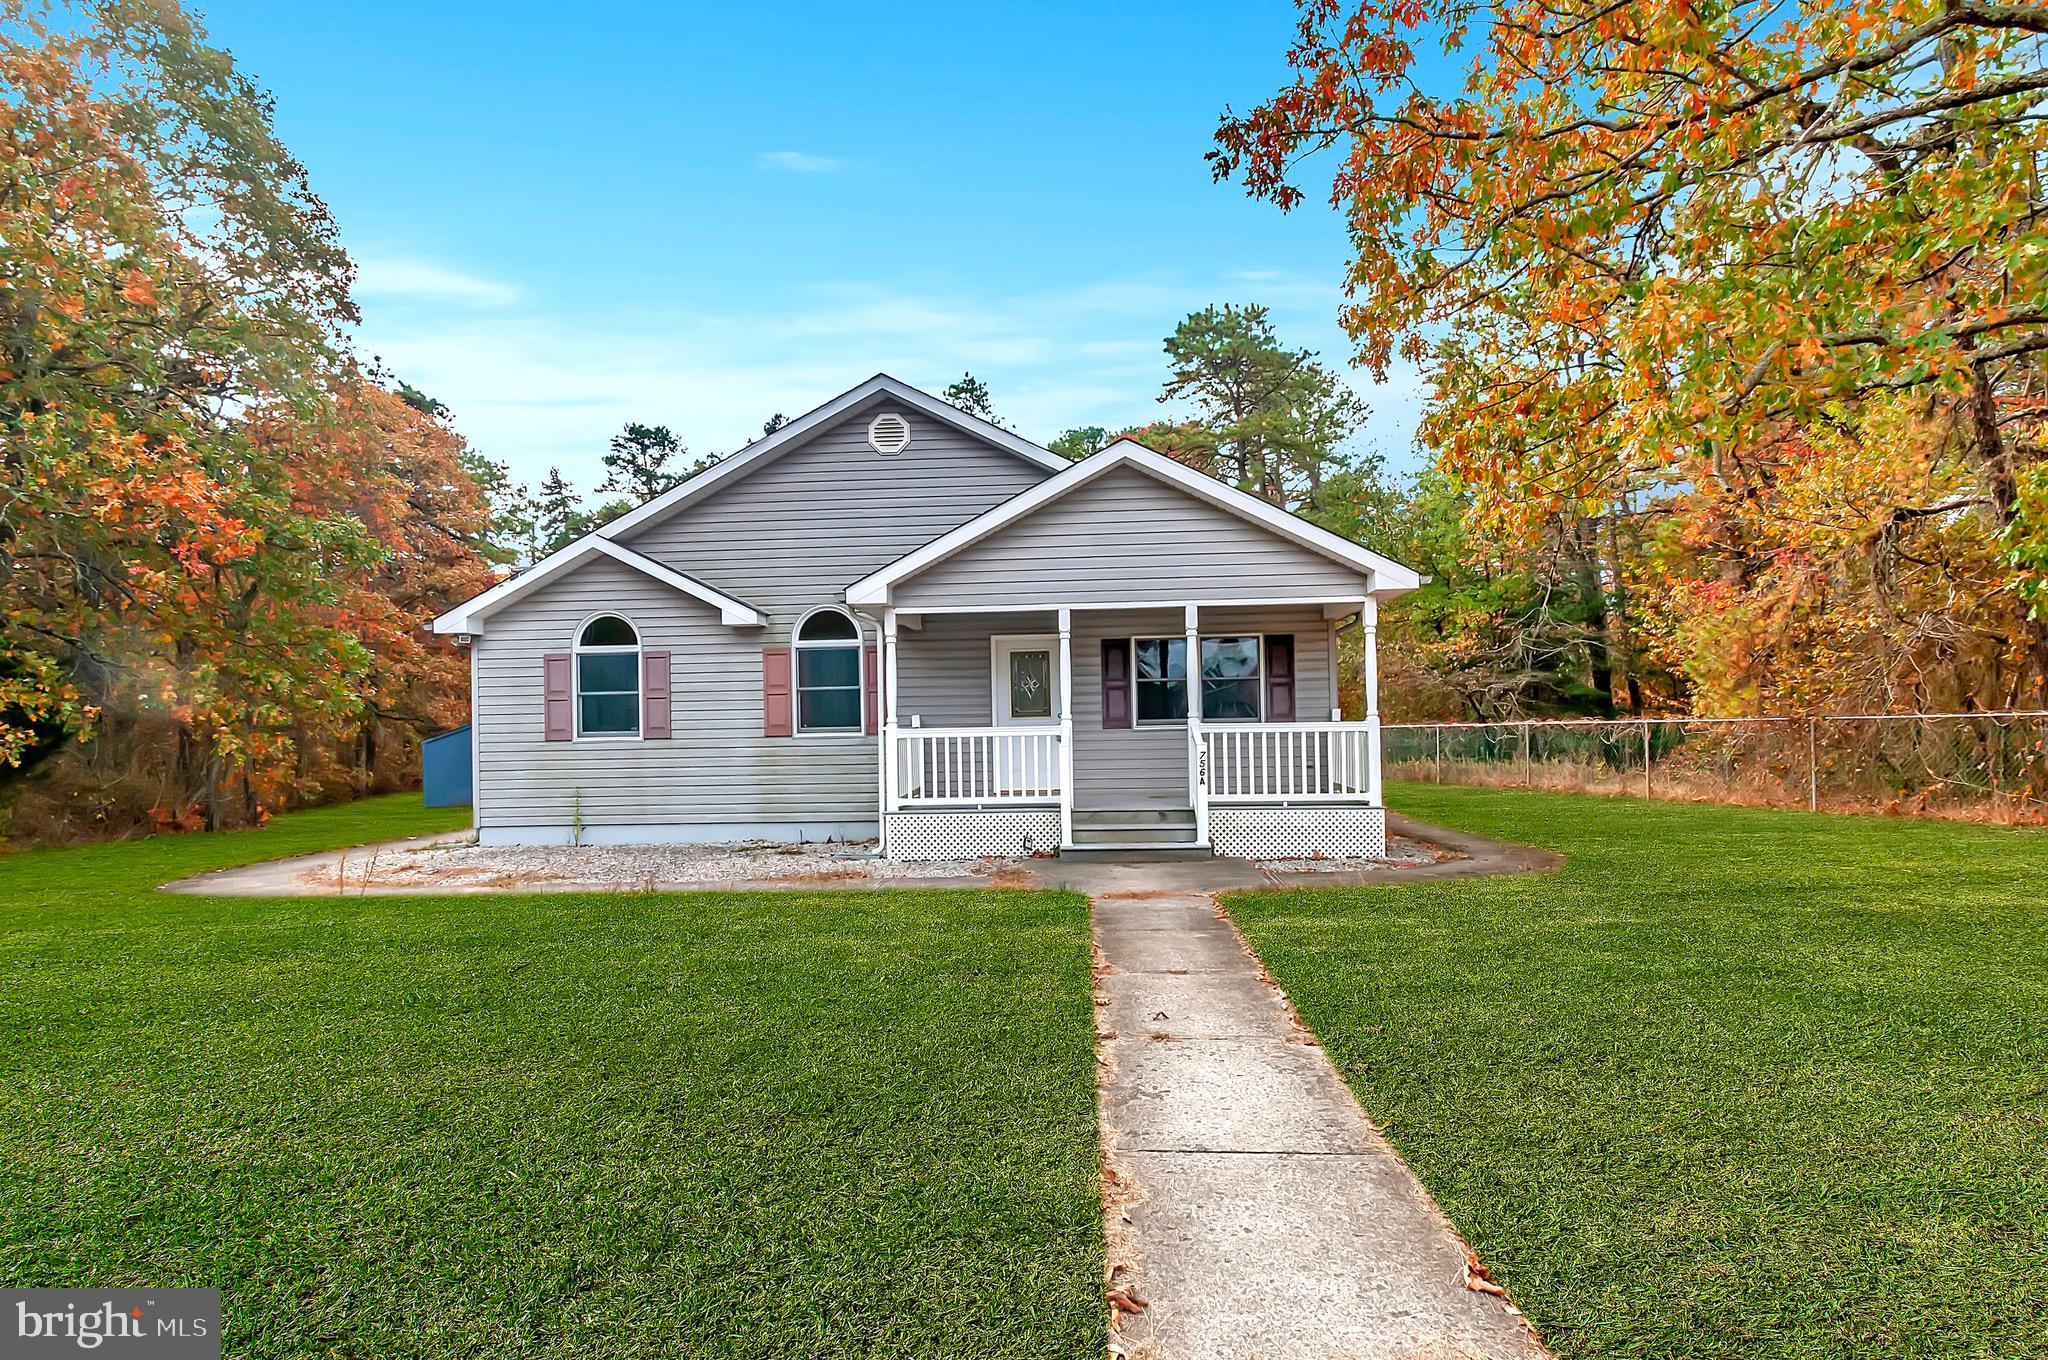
{"type": "Point", "coordinates": [1233, 688]}
{"type": "Point", "coordinates": [1233, 679]}
{"type": "Point", "coordinates": [1160, 673]}
{"type": "Point", "coordinates": [828, 679]}
{"type": "Point", "coordinates": [608, 678]}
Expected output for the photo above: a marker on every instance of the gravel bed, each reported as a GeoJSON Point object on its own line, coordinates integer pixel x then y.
{"type": "Point", "coordinates": [639, 867]}
{"type": "Point", "coordinates": [634, 866]}
{"type": "Point", "coordinates": [1402, 853]}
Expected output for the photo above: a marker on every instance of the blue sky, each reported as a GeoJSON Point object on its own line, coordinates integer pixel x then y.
{"type": "Point", "coordinates": [697, 215]}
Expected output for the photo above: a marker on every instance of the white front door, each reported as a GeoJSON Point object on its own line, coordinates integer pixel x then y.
{"type": "Point", "coordinates": [1025, 681]}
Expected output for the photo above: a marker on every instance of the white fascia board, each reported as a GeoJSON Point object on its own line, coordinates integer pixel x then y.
{"type": "Point", "coordinates": [804, 425]}
{"type": "Point", "coordinates": [1387, 577]}
{"type": "Point", "coordinates": [469, 617]}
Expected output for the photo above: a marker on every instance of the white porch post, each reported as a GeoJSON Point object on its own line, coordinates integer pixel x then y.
{"type": "Point", "coordinates": [1369, 626]}
{"type": "Point", "coordinates": [1336, 678]}
{"type": "Point", "coordinates": [890, 783]}
{"type": "Point", "coordinates": [1066, 617]}
{"type": "Point", "coordinates": [1198, 756]}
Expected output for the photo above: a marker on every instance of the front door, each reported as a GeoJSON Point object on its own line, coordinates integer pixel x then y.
{"type": "Point", "coordinates": [1025, 676]}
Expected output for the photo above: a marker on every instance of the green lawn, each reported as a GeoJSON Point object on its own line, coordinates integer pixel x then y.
{"type": "Point", "coordinates": [1730, 1083]}
{"type": "Point", "coordinates": [778, 1124]}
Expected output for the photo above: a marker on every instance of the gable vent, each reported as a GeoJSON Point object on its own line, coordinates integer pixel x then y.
{"type": "Point", "coordinates": [889, 434]}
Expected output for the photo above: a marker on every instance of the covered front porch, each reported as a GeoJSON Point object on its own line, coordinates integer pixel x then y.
{"type": "Point", "coordinates": [1199, 727]}
{"type": "Point", "coordinates": [1131, 654]}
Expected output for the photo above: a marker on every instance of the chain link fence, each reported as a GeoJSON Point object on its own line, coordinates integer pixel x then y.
{"type": "Point", "coordinates": [1979, 766]}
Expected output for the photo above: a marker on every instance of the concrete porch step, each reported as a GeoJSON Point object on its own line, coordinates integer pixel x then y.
{"type": "Point", "coordinates": [1123, 818]}
{"type": "Point", "coordinates": [1142, 852]}
{"type": "Point", "coordinates": [1139, 833]}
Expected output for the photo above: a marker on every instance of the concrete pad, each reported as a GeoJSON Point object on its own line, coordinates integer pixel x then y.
{"type": "Point", "coordinates": [1194, 1006]}
{"type": "Point", "coordinates": [1229, 1095]}
{"type": "Point", "coordinates": [1277, 1256]}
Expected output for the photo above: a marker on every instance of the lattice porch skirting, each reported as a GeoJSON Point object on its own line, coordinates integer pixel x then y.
{"type": "Point", "coordinates": [966, 835]}
{"type": "Point", "coordinates": [1298, 832]}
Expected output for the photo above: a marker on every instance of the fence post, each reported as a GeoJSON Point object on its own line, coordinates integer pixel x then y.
{"type": "Point", "coordinates": [1812, 765]}
{"type": "Point", "coordinates": [1438, 734]}
{"type": "Point", "coordinates": [1646, 757]}
{"type": "Point", "coordinates": [1528, 770]}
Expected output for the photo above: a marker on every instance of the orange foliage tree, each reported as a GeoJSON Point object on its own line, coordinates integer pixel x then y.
{"type": "Point", "coordinates": [1657, 250]}
{"type": "Point", "coordinates": [197, 584]}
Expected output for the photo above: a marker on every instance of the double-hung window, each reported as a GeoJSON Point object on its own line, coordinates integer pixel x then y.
{"type": "Point", "coordinates": [1232, 675]}
{"type": "Point", "coordinates": [608, 678]}
{"type": "Point", "coordinates": [828, 678]}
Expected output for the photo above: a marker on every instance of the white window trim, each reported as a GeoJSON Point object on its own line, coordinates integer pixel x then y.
{"type": "Point", "coordinates": [859, 731]}
{"type": "Point", "coordinates": [577, 651]}
{"type": "Point", "coordinates": [1196, 676]}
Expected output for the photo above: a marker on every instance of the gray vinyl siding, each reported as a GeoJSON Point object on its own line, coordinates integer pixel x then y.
{"type": "Point", "coordinates": [786, 537]}
{"type": "Point", "coordinates": [943, 677]}
{"type": "Point", "coordinates": [717, 768]}
{"type": "Point", "coordinates": [1128, 537]}
{"type": "Point", "coordinates": [943, 670]}
{"type": "Point", "coordinates": [798, 532]}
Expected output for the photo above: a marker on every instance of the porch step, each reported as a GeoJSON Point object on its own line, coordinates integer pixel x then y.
{"type": "Point", "coordinates": [1135, 833]}
{"type": "Point", "coordinates": [1150, 852]}
{"type": "Point", "coordinates": [1126, 818]}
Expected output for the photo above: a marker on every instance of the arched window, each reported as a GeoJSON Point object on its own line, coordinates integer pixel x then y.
{"type": "Point", "coordinates": [608, 678]}
{"type": "Point", "coordinates": [828, 677]}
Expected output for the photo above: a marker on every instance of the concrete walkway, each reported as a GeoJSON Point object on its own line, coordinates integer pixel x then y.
{"type": "Point", "coordinates": [1253, 1209]}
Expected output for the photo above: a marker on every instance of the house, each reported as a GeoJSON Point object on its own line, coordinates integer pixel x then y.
{"type": "Point", "coordinates": [892, 617]}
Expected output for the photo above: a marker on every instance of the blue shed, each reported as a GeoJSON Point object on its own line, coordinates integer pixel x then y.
{"type": "Point", "coordinates": [445, 769]}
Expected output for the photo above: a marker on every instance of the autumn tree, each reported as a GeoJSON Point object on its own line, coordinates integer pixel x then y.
{"type": "Point", "coordinates": [167, 280]}
{"type": "Point", "coordinates": [222, 539]}
{"type": "Point", "coordinates": [1646, 248]}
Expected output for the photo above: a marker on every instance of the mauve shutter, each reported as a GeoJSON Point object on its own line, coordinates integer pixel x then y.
{"type": "Point", "coordinates": [558, 698]}
{"type": "Point", "coordinates": [1116, 682]}
{"type": "Point", "coordinates": [654, 692]}
{"type": "Point", "coordinates": [778, 700]}
{"type": "Point", "coordinates": [1279, 677]}
{"type": "Point", "coordinates": [873, 673]}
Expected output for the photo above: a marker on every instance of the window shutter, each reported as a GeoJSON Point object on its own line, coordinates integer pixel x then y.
{"type": "Point", "coordinates": [778, 697]}
{"type": "Point", "coordinates": [873, 672]}
{"type": "Point", "coordinates": [1116, 682]}
{"type": "Point", "coordinates": [654, 692]}
{"type": "Point", "coordinates": [1280, 677]}
{"type": "Point", "coordinates": [558, 698]}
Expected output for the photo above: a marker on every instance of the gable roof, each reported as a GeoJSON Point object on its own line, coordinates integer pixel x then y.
{"type": "Point", "coordinates": [739, 464]}
{"type": "Point", "coordinates": [1386, 576]}
{"type": "Point", "coordinates": [469, 617]}
{"type": "Point", "coordinates": [464, 617]}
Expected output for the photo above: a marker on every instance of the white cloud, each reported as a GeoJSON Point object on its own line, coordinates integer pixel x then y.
{"type": "Point", "coordinates": [537, 388]}
{"type": "Point", "coordinates": [799, 162]}
{"type": "Point", "coordinates": [406, 277]}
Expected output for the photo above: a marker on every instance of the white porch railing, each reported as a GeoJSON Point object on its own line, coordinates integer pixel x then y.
{"type": "Point", "coordinates": [1291, 762]}
{"type": "Point", "coordinates": [998, 765]}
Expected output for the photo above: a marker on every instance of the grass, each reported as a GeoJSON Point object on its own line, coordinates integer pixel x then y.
{"type": "Point", "coordinates": [1732, 1082]}
{"type": "Point", "coordinates": [827, 1123]}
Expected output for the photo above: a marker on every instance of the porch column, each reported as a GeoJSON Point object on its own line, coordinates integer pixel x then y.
{"type": "Point", "coordinates": [1369, 629]}
{"type": "Point", "coordinates": [1198, 755]}
{"type": "Point", "coordinates": [1066, 727]}
{"type": "Point", "coordinates": [888, 761]}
